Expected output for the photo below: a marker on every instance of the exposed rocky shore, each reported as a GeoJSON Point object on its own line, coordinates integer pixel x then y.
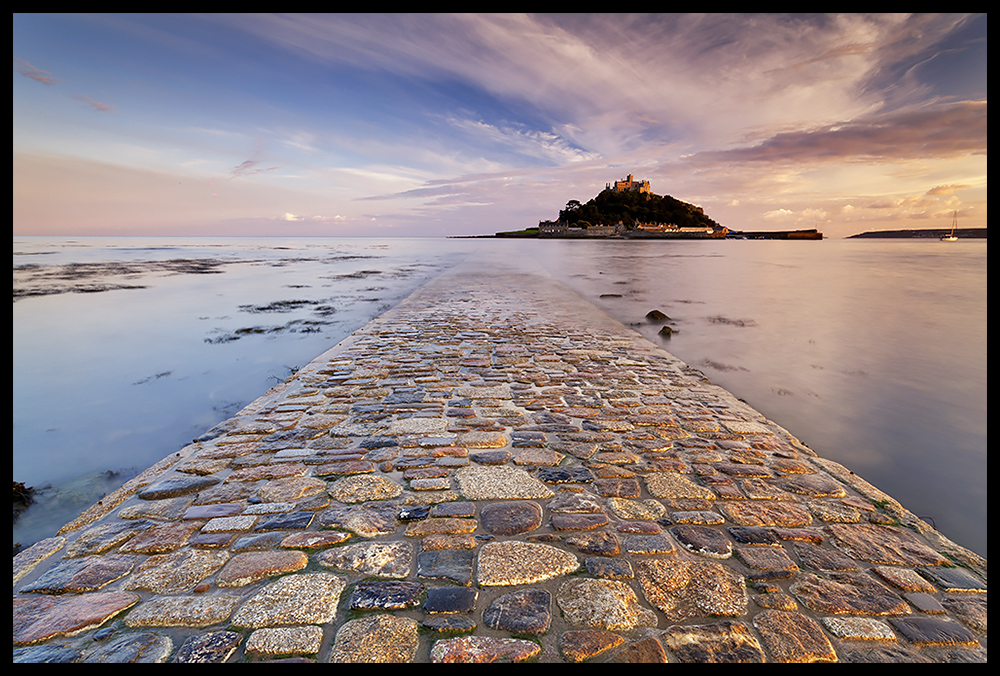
{"type": "Point", "coordinates": [495, 470]}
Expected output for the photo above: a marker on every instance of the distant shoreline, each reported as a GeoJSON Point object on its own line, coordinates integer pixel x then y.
{"type": "Point", "coordinates": [582, 233]}
{"type": "Point", "coordinates": [930, 233]}
{"type": "Point", "coordinates": [907, 233]}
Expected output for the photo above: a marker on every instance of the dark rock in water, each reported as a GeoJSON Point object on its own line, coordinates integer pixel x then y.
{"type": "Point", "coordinates": [23, 497]}
{"type": "Point", "coordinates": [657, 316]}
{"type": "Point", "coordinates": [666, 332]}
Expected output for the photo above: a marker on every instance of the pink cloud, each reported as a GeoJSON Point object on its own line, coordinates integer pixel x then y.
{"type": "Point", "coordinates": [249, 167]}
{"type": "Point", "coordinates": [37, 74]}
{"type": "Point", "coordinates": [935, 131]}
{"type": "Point", "coordinates": [96, 105]}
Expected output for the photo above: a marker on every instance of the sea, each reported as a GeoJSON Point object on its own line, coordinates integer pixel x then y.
{"type": "Point", "coordinates": [871, 351]}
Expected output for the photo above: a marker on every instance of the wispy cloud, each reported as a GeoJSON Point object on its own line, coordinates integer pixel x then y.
{"type": "Point", "coordinates": [37, 74]}
{"type": "Point", "coordinates": [943, 130]}
{"type": "Point", "coordinates": [249, 168]}
{"type": "Point", "coordinates": [96, 105]}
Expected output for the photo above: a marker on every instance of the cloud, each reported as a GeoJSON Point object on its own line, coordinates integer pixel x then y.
{"type": "Point", "coordinates": [37, 74]}
{"type": "Point", "coordinates": [249, 167]}
{"type": "Point", "coordinates": [544, 145]}
{"type": "Point", "coordinates": [96, 105]}
{"type": "Point", "coordinates": [944, 130]}
{"type": "Point", "coordinates": [947, 189]}
{"type": "Point", "coordinates": [779, 215]}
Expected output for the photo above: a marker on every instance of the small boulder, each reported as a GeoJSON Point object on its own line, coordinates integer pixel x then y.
{"type": "Point", "coordinates": [657, 317]}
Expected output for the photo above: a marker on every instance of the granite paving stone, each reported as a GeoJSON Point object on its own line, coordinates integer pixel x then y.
{"type": "Point", "coordinates": [378, 638]}
{"type": "Point", "coordinates": [285, 641]}
{"type": "Point", "coordinates": [85, 574]}
{"type": "Point", "coordinates": [249, 567]}
{"type": "Point", "coordinates": [197, 610]}
{"type": "Point", "coordinates": [389, 559]}
{"type": "Point", "coordinates": [513, 563]}
{"type": "Point", "coordinates": [726, 642]}
{"type": "Point", "coordinates": [385, 595]}
{"type": "Point", "coordinates": [483, 649]}
{"type": "Point", "coordinates": [40, 618]}
{"type": "Point", "coordinates": [306, 598]}
{"type": "Point", "coordinates": [491, 460]}
{"type": "Point", "coordinates": [605, 604]}
{"type": "Point", "coordinates": [176, 572]}
{"type": "Point", "coordinates": [584, 644]}
{"type": "Point", "coordinates": [138, 648]}
{"type": "Point", "coordinates": [525, 612]}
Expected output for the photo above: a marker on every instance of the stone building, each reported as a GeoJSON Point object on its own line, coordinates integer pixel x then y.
{"type": "Point", "coordinates": [631, 185]}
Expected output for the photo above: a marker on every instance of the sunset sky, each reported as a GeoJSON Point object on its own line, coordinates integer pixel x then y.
{"type": "Point", "coordinates": [430, 125]}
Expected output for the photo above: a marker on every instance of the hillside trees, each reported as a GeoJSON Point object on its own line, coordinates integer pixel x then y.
{"type": "Point", "coordinates": [631, 208]}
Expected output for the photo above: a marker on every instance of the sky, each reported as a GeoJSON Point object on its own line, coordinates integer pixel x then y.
{"type": "Point", "coordinates": [450, 125]}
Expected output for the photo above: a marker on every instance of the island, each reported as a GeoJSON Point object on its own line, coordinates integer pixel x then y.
{"type": "Point", "coordinates": [629, 209]}
{"type": "Point", "coordinates": [925, 233]}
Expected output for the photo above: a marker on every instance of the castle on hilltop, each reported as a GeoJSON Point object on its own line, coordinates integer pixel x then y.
{"type": "Point", "coordinates": [630, 185]}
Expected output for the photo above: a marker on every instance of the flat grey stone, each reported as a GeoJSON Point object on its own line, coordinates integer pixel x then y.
{"type": "Point", "coordinates": [526, 611]}
{"type": "Point", "coordinates": [143, 648]}
{"type": "Point", "coordinates": [46, 654]}
{"type": "Point", "coordinates": [385, 595]}
{"type": "Point", "coordinates": [212, 648]}
{"type": "Point", "coordinates": [450, 600]}
{"type": "Point", "coordinates": [381, 559]}
{"type": "Point", "coordinates": [933, 631]}
{"type": "Point", "coordinates": [84, 574]}
{"type": "Point", "coordinates": [446, 564]}
{"type": "Point", "coordinates": [173, 487]}
{"type": "Point", "coordinates": [510, 518]}
{"type": "Point", "coordinates": [703, 540]}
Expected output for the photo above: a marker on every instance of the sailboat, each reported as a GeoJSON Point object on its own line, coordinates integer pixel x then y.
{"type": "Point", "coordinates": [952, 237]}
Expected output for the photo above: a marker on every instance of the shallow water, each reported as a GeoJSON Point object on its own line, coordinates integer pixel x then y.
{"type": "Point", "coordinates": [127, 349]}
{"type": "Point", "coordinates": [872, 352]}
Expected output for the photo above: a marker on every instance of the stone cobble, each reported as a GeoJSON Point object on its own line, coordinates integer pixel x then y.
{"type": "Point", "coordinates": [495, 471]}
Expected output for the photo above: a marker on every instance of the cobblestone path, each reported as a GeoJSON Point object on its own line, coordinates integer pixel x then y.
{"type": "Point", "coordinates": [496, 471]}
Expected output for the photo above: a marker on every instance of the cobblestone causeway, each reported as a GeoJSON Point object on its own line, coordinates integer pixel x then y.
{"type": "Point", "coordinates": [494, 470]}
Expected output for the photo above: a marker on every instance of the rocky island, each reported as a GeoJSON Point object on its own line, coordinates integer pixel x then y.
{"type": "Point", "coordinates": [628, 209]}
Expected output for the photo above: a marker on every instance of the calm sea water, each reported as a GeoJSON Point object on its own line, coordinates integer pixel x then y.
{"type": "Point", "coordinates": [871, 352]}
